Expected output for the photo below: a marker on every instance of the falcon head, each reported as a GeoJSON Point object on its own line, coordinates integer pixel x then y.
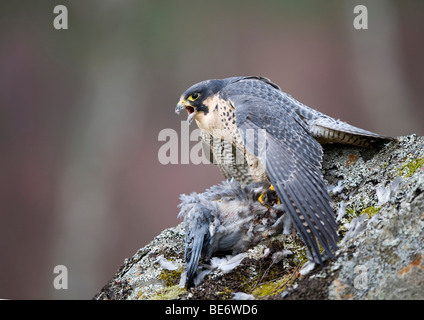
{"type": "Point", "coordinates": [194, 99]}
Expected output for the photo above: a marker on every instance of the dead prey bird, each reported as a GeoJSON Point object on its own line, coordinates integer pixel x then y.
{"type": "Point", "coordinates": [228, 218]}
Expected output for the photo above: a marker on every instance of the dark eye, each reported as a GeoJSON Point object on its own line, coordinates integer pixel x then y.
{"type": "Point", "coordinates": [194, 96]}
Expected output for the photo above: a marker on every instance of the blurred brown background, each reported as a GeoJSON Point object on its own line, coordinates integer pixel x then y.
{"type": "Point", "coordinates": [81, 110]}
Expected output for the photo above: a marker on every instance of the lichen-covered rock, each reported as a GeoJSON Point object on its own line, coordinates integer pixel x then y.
{"type": "Point", "coordinates": [142, 276]}
{"type": "Point", "coordinates": [386, 260]}
{"type": "Point", "coordinates": [378, 196]}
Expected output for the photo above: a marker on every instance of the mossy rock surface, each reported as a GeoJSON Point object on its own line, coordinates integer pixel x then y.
{"type": "Point", "coordinates": [384, 261]}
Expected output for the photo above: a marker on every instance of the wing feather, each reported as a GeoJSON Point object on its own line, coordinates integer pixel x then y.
{"type": "Point", "coordinates": [292, 159]}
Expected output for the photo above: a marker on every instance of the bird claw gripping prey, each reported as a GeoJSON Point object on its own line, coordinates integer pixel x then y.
{"type": "Point", "coordinates": [257, 133]}
{"type": "Point", "coordinates": [262, 197]}
{"type": "Point", "coordinates": [226, 218]}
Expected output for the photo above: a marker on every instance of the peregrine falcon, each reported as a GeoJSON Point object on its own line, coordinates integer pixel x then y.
{"type": "Point", "coordinates": [257, 133]}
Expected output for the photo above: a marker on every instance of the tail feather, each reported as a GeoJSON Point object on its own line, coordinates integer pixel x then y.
{"type": "Point", "coordinates": [194, 247]}
{"type": "Point", "coordinates": [334, 131]}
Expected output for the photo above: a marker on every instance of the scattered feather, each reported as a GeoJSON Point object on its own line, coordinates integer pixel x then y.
{"type": "Point", "coordinates": [242, 296]}
{"type": "Point", "coordinates": [227, 263]}
{"type": "Point", "coordinates": [166, 264]}
{"type": "Point", "coordinates": [280, 255]}
{"type": "Point", "coordinates": [341, 211]}
{"type": "Point", "coordinates": [200, 276]}
{"type": "Point", "coordinates": [287, 221]}
{"type": "Point", "coordinates": [183, 280]}
{"type": "Point", "coordinates": [355, 227]}
{"type": "Point", "coordinates": [337, 189]}
{"type": "Point", "coordinates": [307, 267]}
{"type": "Point", "coordinates": [384, 194]}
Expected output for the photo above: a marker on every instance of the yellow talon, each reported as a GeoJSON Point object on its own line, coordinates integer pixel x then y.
{"type": "Point", "coordinates": [261, 197]}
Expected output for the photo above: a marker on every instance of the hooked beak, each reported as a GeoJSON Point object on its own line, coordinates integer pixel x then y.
{"type": "Point", "coordinates": [190, 110]}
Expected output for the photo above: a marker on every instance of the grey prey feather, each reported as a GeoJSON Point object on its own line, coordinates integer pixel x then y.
{"type": "Point", "coordinates": [226, 218]}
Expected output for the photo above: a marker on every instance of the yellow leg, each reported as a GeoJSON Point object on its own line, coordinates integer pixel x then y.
{"type": "Point", "coordinates": [261, 197]}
